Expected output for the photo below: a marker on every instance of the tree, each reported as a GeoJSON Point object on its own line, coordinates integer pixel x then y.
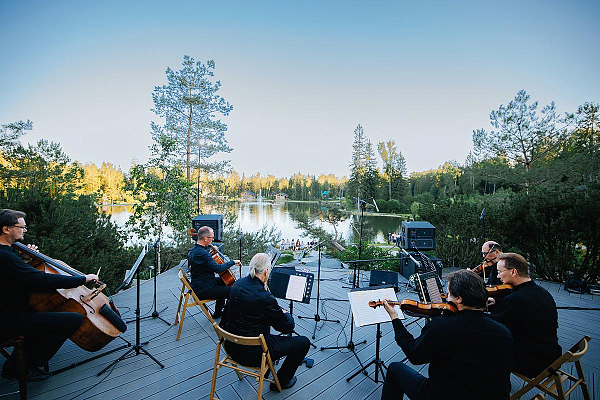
{"type": "Point", "coordinates": [523, 137]}
{"type": "Point", "coordinates": [394, 164]}
{"type": "Point", "coordinates": [189, 103]}
{"type": "Point", "coordinates": [163, 195]}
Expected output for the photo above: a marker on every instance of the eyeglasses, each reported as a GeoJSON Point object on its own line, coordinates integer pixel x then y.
{"type": "Point", "coordinates": [210, 237]}
{"type": "Point", "coordinates": [24, 227]}
{"type": "Point", "coordinates": [503, 271]}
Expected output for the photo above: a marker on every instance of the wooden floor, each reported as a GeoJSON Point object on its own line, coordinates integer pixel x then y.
{"type": "Point", "coordinates": [188, 362]}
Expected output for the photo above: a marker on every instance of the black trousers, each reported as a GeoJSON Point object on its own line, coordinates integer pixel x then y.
{"type": "Point", "coordinates": [44, 332]}
{"type": "Point", "coordinates": [219, 292]}
{"type": "Point", "coordinates": [402, 379]}
{"type": "Point", "coordinates": [294, 349]}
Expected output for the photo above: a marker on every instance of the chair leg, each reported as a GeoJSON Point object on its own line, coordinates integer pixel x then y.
{"type": "Point", "coordinates": [179, 305]}
{"type": "Point", "coordinates": [261, 379]}
{"type": "Point", "coordinates": [583, 384]}
{"type": "Point", "coordinates": [213, 384]}
{"type": "Point", "coordinates": [19, 347]}
{"type": "Point", "coordinates": [187, 295]}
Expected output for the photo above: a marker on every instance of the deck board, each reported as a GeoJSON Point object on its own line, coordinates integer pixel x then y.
{"type": "Point", "coordinates": [188, 362]}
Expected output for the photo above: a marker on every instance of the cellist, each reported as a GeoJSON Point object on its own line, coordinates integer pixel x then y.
{"type": "Point", "coordinates": [203, 269]}
{"type": "Point", "coordinates": [453, 345]}
{"type": "Point", "coordinates": [44, 332]}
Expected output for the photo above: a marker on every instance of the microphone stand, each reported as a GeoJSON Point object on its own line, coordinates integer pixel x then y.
{"type": "Point", "coordinates": [317, 317]}
{"type": "Point", "coordinates": [355, 283]}
{"type": "Point", "coordinates": [155, 314]}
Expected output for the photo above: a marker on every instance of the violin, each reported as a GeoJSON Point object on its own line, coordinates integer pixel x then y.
{"type": "Point", "coordinates": [499, 290]}
{"type": "Point", "coordinates": [485, 264]}
{"type": "Point", "coordinates": [102, 322]}
{"type": "Point", "coordinates": [416, 309]}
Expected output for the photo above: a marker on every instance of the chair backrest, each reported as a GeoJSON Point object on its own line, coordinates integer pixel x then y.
{"type": "Point", "coordinates": [578, 350]}
{"type": "Point", "coordinates": [242, 340]}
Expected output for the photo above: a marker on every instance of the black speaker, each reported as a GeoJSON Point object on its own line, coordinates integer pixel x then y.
{"type": "Point", "coordinates": [379, 278]}
{"type": "Point", "coordinates": [214, 221]}
{"type": "Point", "coordinates": [417, 235]}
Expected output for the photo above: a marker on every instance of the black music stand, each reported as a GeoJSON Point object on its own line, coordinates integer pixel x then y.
{"type": "Point", "coordinates": [317, 317]}
{"type": "Point", "coordinates": [154, 267]}
{"type": "Point", "coordinates": [137, 347]}
{"type": "Point", "coordinates": [359, 299]}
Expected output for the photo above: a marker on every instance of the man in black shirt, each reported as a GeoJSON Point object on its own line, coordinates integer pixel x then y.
{"type": "Point", "coordinates": [530, 314]}
{"type": "Point", "coordinates": [203, 269]}
{"type": "Point", "coordinates": [490, 251]}
{"type": "Point", "coordinates": [253, 310]}
{"type": "Point", "coordinates": [44, 332]}
{"type": "Point", "coordinates": [455, 348]}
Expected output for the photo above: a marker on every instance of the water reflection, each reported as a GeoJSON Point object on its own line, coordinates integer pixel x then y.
{"type": "Point", "coordinates": [251, 216]}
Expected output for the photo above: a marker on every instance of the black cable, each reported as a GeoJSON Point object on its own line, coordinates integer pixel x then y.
{"type": "Point", "coordinates": [579, 308]}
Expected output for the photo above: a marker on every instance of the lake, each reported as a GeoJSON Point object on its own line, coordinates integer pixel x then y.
{"type": "Point", "coordinates": [251, 216]}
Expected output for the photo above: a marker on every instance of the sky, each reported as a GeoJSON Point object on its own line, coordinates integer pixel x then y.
{"type": "Point", "coordinates": [301, 75]}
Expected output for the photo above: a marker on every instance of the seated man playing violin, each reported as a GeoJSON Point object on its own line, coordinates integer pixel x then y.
{"type": "Point", "coordinates": [453, 345]}
{"type": "Point", "coordinates": [252, 311]}
{"type": "Point", "coordinates": [44, 332]}
{"type": "Point", "coordinates": [530, 314]}
{"type": "Point", "coordinates": [203, 269]}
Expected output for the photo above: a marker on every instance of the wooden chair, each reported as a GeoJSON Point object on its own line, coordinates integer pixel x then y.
{"type": "Point", "coordinates": [188, 299]}
{"type": "Point", "coordinates": [550, 381]}
{"type": "Point", "coordinates": [266, 363]}
{"type": "Point", "coordinates": [18, 345]}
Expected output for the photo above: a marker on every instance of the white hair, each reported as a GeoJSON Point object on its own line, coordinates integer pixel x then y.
{"type": "Point", "coordinates": [259, 263]}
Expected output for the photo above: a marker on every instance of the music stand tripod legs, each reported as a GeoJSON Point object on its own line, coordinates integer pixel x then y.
{"type": "Point", "coordinates": [317, 317]}
{"type": "Point", "coordinates": [137, 347]}
{"type": "Point", "coordinates": [378, 362]}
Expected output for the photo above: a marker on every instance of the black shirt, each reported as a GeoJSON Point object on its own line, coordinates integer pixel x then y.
{"type": "Point", "coordinates": [18, 280]}
{"type": "Point", "coordinates": [252, 310]}
{"type": "Point", "coordinates": [456, 348]}
{"type": "Point", "coordinates": [203, 268]}
{"type": "Point", "coordinates": [493, 276]}
{"type": "Point", "coordinates": [530, 314]}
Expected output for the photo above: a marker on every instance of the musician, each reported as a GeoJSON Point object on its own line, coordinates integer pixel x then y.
{"type": "Point", "coordinates": [203, 268]}
{"type": "Point", "coordinates": [453, 345]}
{"type": "Point", "coordinates": [530, 314]}
{"type": "Point", "coordinates": [44, 332]}
{"type": "Point", "coordinates": [252, 310]}
{"type": "Point", "coordinates": [490, 251]}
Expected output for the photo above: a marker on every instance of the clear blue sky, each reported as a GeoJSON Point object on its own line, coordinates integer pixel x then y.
{"type": "Point", "coordinates": [300, 75]}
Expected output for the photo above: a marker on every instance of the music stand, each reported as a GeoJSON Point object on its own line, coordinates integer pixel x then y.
{"type": "Point", "coordinates": [317, 317]}
{"type": "Point", "coordinates": [137, 347]}
{"type": "Point", "coordinates": [366, 315]}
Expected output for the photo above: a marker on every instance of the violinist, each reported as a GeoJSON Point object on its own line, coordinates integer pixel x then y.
{"type": "Point", "coordinates": [453, 345]}
{"type": "Point", "coordinates": [489, 251]}
{"type": "Point", "coordinates": [530, 314]}
{"type": "Point", "coordinates": [203, 268]}
{"type": "Point", "coordinates": [44, 332]}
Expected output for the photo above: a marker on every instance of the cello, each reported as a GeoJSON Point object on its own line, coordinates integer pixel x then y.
{"type": "Point", "coordinates": [102, 322]}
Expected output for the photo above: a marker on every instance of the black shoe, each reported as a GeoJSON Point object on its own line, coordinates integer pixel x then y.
{"type": "Point", "coordinates": [8, 371]}
{"type": "Point", "coordinates": [284, 385]}
{"type": "Point", "coordinates": [36, 374]}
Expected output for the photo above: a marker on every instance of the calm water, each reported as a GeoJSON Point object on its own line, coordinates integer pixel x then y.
{"type": "Point", "coordinates": [251, 216]}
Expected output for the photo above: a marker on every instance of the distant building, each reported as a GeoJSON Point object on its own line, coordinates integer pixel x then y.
{"type": "Point", "coordinates": [247, 195]}
{"type": "Point", "coordinates": [281, 196]}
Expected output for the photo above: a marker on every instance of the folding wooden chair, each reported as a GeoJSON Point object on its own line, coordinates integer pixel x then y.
{"type": "Point", "coordinates": [18, 345]}
{"type": "Point", "coordinates": [266, 363]}
{"type": "Point", "coordinates": [550, 381]}
{"type": "Point", "coordinates": [188, 299]}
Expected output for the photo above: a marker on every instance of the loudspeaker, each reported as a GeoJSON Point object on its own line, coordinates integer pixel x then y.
{"type": "Point", "coordinates": [408, 267]}
{"type": "Point", "coordinates": [214, 221]}
{"type": "Point", "coordinates": [379, 278]}
{"type": "Point", "coordinates": [417, 235]}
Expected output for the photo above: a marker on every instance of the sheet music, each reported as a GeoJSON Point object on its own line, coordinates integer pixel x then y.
{"type": "Point", "coordinates": [366, 315]}
{"type": "Point", "coordinates": [295, 289]}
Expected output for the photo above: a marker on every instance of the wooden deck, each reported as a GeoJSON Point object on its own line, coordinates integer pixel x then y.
{"type": "Point", "coordinates": [188, 362]}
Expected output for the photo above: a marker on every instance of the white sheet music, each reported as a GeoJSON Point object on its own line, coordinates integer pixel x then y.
{"type": "Point", "coordinates": [296, 287]}
{"type": "Point", "coordinates": [366, 315]}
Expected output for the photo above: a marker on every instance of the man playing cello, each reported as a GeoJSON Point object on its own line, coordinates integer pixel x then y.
{"type": "Point", "coordinates": [203, 268]}
{"type": "Point", "coordinates": [44, 332]}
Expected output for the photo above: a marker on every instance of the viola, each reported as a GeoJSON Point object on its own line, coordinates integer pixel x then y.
{"type": "Point", "coordinates": [485, 264]}
{"type": "Point", "coordinates": [227, 276]}
{"type": "Point", "coordinates": [499, 290]}
{"type": "Point", "coordinates": [101, 315]}
{"type": "Point", "coordinates": [416, 309]}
